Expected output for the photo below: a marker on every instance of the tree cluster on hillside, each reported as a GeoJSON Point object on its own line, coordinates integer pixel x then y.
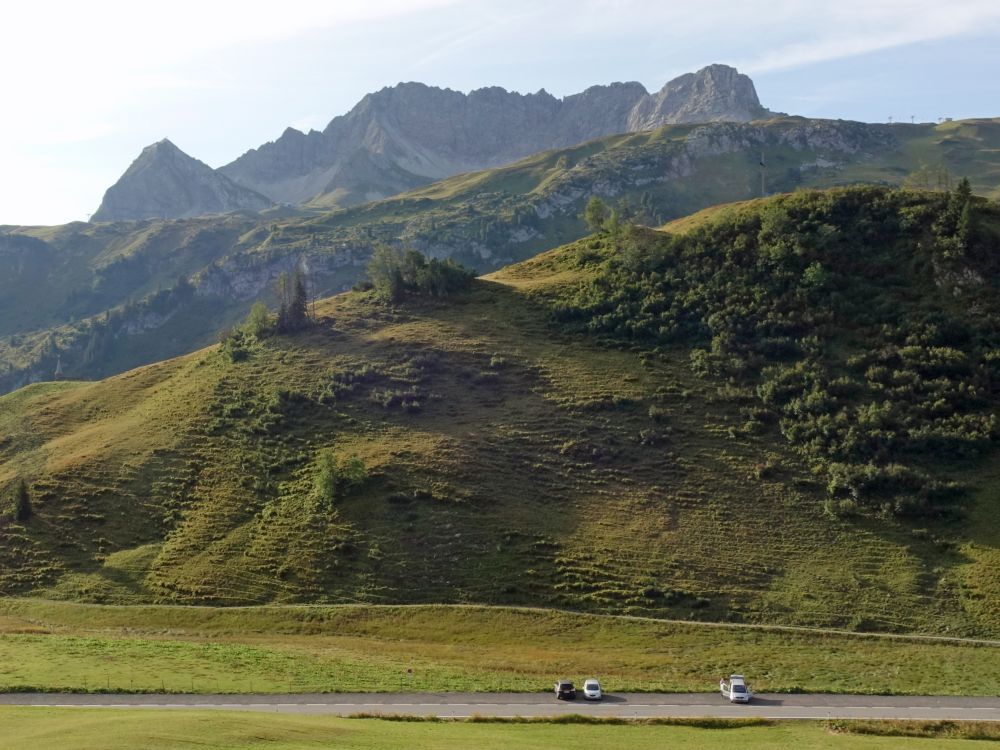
{"type": "Point", "coordinates": [954, 226]}
{"type": "Point", "coordinates": [293, 315]}
{"type": "Point", "coordinates": [864, 323]}
{"type": "Point", "coordinates": [600, 217]}
{"type": "Point", "coordinates": [395, 272]}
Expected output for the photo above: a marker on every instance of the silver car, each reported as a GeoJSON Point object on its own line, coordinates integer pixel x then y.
{"type": "Point", "coordinates": [592, 690]}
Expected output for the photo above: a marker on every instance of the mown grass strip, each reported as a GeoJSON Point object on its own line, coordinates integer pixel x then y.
{"type": "Point", "coordinates": [113, 729]}
{"type": "Point", "coordinates": [46, 646]}
{"type": "Point", "coordinates": [963, 730]}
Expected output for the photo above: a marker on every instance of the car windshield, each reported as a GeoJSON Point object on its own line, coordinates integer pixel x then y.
{"type": "Point", "coordinates": [566, 685]}
{"type": "Point", "coordinates": [739, 688]}
{"type": "Point", "coordinates": [592, 686]}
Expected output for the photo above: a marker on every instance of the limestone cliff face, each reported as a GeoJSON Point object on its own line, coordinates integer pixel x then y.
{"type": "Point", "coordinates": [411, 134]}
{"type": "Point", "coordinates": [164, 182]}
{"type": "Point", "coordinates": [714, 94]}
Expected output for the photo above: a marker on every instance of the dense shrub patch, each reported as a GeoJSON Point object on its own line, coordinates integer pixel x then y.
{"type": "Point", "coordinates": [864, 321]}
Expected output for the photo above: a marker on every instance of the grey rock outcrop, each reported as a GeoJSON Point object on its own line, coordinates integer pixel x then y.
{"type": "Point", "coordinates": [411, 134]}
{"type": "Point", "coordinates": [714, 94]}
{"type": "Point", "coordinates": [165, 183]}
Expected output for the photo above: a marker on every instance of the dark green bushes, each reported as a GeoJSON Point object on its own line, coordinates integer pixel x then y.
{"type": "Point", "coordinates": [863, 331]}
{"type": "Point", "coordinates": [345, 382]}
{"type": "Point", "coordinates": [336, 476]}
{"type": "Point", "coordinates": [234, 343]}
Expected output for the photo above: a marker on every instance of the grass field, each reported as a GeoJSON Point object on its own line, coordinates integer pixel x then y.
{"type": "Point", "coordinates": [88, 729]}
{"type": "Point", "coordinates": [60, 646]}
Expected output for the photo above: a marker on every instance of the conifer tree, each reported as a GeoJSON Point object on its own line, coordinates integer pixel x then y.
{"type": "Point", "coordinates": [22, 502]}
{"type": "Point", "coordinates": [298, 305]}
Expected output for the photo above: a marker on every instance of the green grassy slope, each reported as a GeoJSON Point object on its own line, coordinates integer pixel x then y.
{"type": "Point", "coordinates": [102, 729]}
{"type": "Point", "coordinates": [49, 646]}
{"type": "Point", "coordinates": [112, 300]}
{"type": "Point", "coordinates": [511, 461]}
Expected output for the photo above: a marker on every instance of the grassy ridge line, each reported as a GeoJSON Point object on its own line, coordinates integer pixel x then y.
{"type": "Point", "coordinates": [109, 729]}
{"type": "Point", "coordinates": [511, 212]}
{"type": "Point", "coordinates": [467, 649]}
{"type": "Point", "coordinates": [36, 607]}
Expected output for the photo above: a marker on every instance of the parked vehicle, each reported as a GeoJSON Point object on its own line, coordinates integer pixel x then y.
{"type": "Point", "coordinates": [565, 691]}
{"type": "Point", "coordinates": [592, 690]}
{"type": "Point", "coordinates": [735, 689]}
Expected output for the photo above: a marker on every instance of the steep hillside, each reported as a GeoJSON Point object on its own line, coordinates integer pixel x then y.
{"type": "Point", "coordinates": [99, 299]}
{"type": "Point", "coordinates": [103, 317]}
{"type": "Point", "coordinates": [165, 183]}
{"type": "Point", "coordinates": [567, 433]}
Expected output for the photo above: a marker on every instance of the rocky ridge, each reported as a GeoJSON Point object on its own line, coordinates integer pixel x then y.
{"type": "Point", "coordinates": [412, 134]}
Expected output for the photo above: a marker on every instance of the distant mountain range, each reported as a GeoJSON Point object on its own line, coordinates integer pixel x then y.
{"type": "Point", "coordinates": [410, 135]}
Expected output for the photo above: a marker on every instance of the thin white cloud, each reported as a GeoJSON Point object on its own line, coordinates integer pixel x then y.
{"type": "Point", "coordinates": [489, 23]}
{"type": "Point", "coordinates": [781, 33]}
{"type": "Point", "coordinates": [850, 29]}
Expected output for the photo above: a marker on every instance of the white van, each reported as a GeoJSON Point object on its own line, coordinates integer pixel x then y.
{"type": "Point", "coordinates": [735, 689]}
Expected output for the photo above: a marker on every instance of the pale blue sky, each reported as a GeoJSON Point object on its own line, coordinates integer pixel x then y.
{"type": "Point", "coordinates": [87, 85]}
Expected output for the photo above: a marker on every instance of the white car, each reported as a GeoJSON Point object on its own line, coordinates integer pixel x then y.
{"type": "Point", "coordinates": [592, 690]}
{"type": "Point", "coordinates": [735, 689]}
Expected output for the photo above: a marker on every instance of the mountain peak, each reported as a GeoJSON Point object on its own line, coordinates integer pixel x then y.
{"type": "Point", "coordinates": [714, 93]}
{"type": "Point", "coordinates": [718, 69]}
{"type": "Point", "coordinates": [164, 147]}
{"type": "Point", "coordinates": [410, 134]}
{"type": "Point", "coordinates": [165, 183]}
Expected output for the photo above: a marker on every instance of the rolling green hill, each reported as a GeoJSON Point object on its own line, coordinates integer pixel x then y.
{"type": "Point", "coordinates": [99, 299]}
{"type": "Point", "coordinates": [780, 411]}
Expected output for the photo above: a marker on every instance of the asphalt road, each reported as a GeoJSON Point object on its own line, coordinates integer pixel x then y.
{"type": "Point", "coordinates": [633, 705]}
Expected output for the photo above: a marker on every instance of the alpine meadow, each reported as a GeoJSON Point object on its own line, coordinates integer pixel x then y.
{"type": "Point", "coordinates": [480, 417]}
{"type": "Point", "coordinates": [779, 411]}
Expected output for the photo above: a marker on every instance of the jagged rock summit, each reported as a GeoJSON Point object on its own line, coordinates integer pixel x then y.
{"type": "Point", "coordinates": [164, 182]}
{"type": "Point", "coordinates": [713, 94]}
{"type": "Point", "coordinates": [411, 134]}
